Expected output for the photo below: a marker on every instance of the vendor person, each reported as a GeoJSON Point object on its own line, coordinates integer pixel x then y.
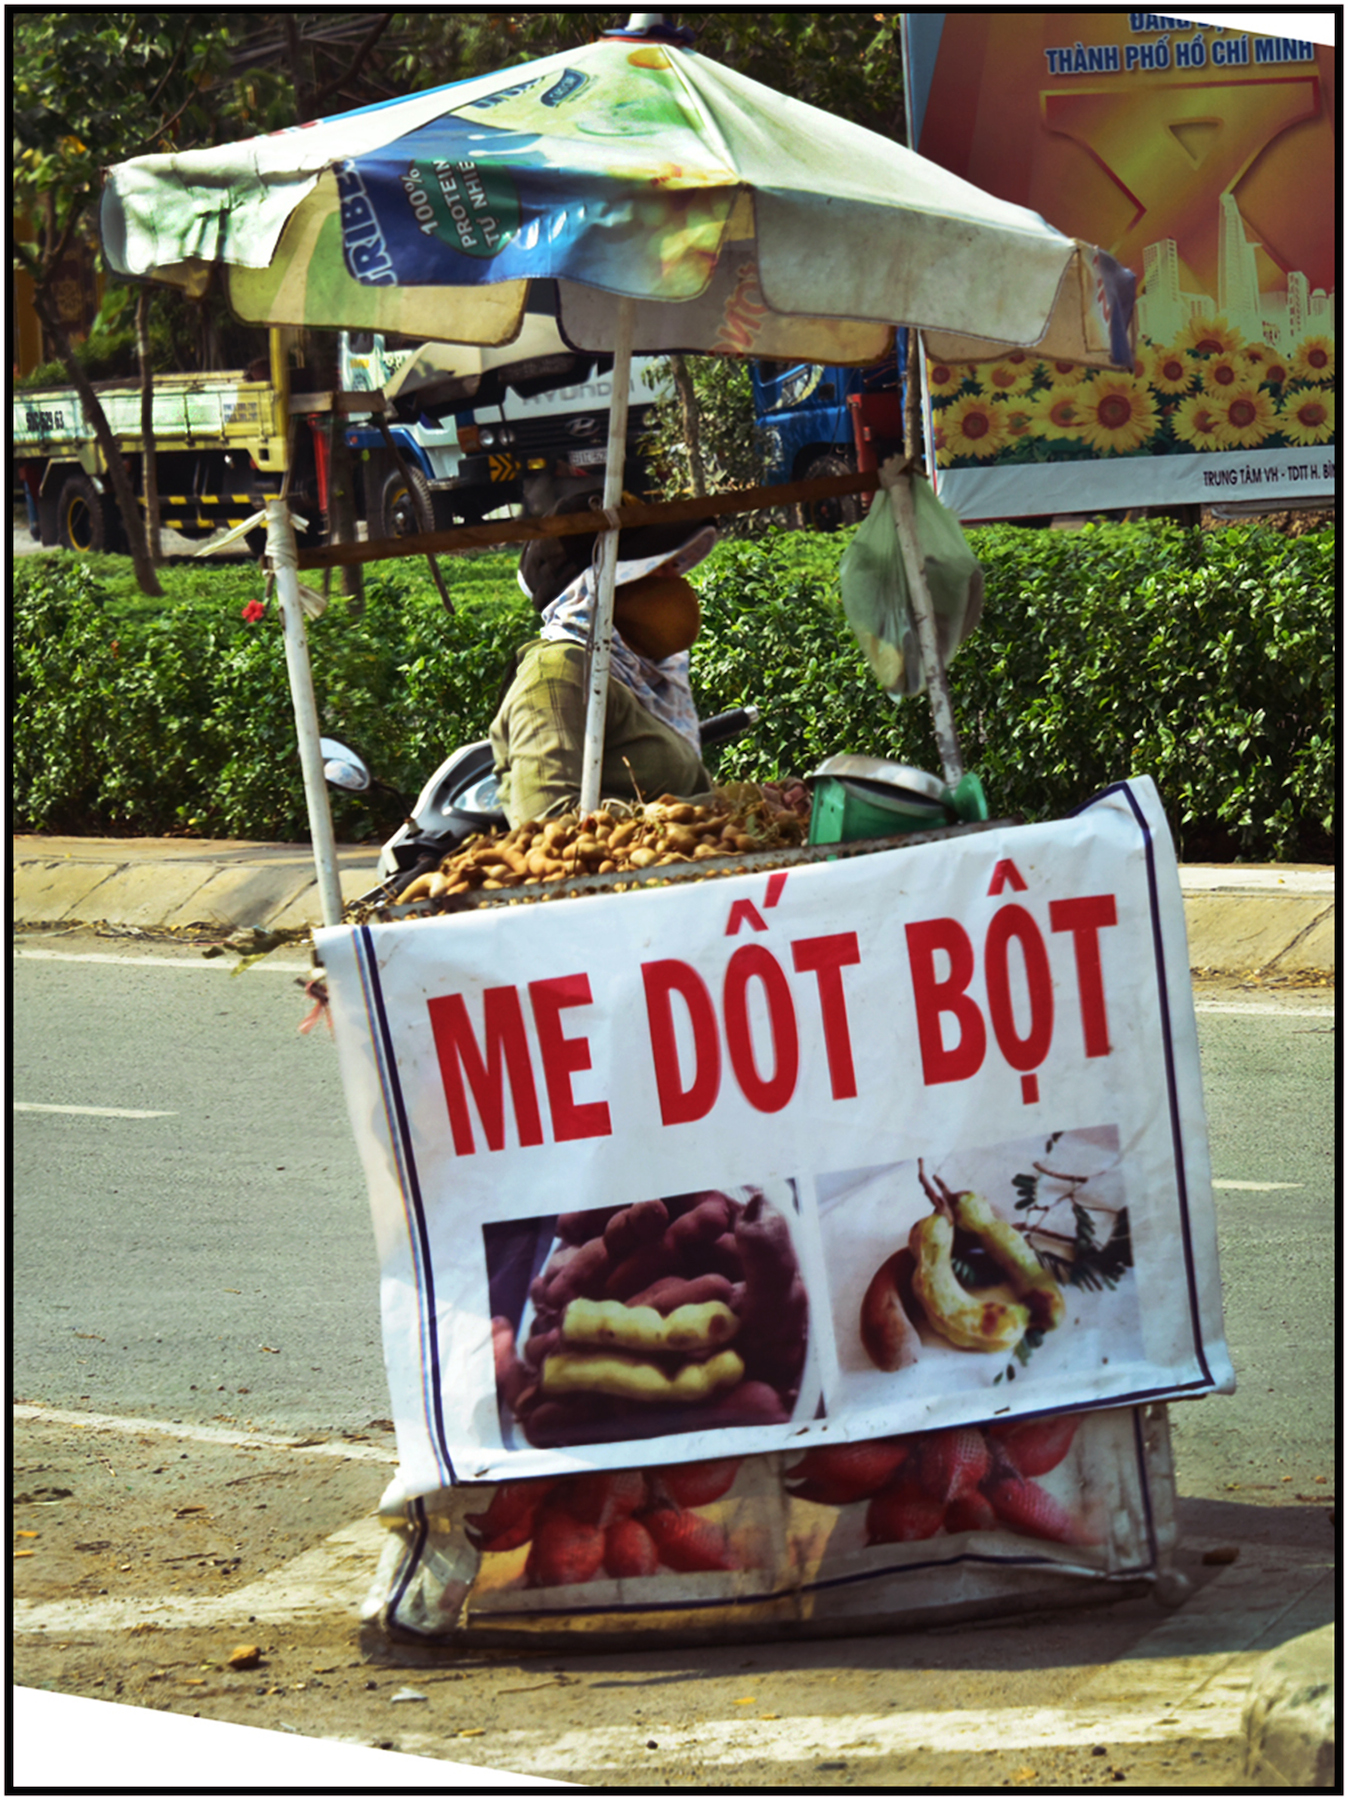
{"type": "Point", "coordinates": [651, 740]}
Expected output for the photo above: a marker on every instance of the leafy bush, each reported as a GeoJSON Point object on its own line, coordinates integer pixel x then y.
{"type": "Point", "coordinates": [1205, 660]}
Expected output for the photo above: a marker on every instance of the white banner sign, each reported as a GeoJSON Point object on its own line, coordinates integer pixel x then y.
{"type": "Point", "coordinates": [882, 1144]}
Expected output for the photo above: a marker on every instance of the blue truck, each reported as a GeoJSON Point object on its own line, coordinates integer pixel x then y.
{"type": "Point", "coordinates": [823, 419]}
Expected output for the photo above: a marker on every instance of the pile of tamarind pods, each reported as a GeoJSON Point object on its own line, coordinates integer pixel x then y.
{"type": "Point", "coordinates": [682, 1314]}
{"type": "Point", "coordinates": [616, 839]}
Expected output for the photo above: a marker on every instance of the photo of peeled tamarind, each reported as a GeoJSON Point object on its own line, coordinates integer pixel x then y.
{"type": "Point", "coordinates": [677, 1314]}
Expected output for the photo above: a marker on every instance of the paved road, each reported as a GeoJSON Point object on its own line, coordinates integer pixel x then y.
{"type": "Point", "coordinates": [210, 1254]}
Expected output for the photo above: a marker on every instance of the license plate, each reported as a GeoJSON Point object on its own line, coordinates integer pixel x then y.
{"type": "Point", "coordinates": [585, 459]}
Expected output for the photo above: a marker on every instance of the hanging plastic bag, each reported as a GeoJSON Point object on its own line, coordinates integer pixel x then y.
{"type": "Point", "coordinates": [875, 589]}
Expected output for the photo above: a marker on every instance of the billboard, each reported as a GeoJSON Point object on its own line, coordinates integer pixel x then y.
{"type": "Point", "coordinates": [1204, 158]}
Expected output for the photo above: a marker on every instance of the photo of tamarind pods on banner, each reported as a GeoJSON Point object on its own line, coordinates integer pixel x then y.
{"type": "Point", "coordinates": [685, 1313]}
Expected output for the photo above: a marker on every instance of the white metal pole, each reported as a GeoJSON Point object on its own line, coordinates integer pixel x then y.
{"type": "Point", "coordinates": [597, 702]}
{"type": "Point", "coordinates": [281, 550]}
{"type": "Point", "coordinates": [895, 476]}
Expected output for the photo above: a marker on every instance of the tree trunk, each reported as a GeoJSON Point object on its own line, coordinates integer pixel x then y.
{"type": "Point", "coordinates": [146, 578]}
{"type": "Point", "coordinates": [692, 422]}
{"type": "Point", "coordinates": [148, 461]}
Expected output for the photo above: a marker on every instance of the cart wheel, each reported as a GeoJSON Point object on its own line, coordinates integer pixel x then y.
{"type": "Point", "coordinates": [832, 514]}
{"type": "Point", "coordinates": [405, 510]}
{"type": "Point", "coordinates": [82, 521]}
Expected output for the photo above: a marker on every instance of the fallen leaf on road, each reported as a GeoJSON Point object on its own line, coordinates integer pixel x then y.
{"type": "Point", "coordinates": [183, 1511]}
{"type": "Point", "coordinates": [25, 1553]}
{"type": "Point", "coordinates": [270, 1349]}
{"type": "Point", "coordinates": [406, 1694]}
{"type": "Point", "coordinates": [28, 1534]}
{"type": "Point", "coordinates": [1223, 1553]}
{"type": "Point", "coordinates": [244, 1656]}
{"type": "Point", "coordinates": [473, 1731]}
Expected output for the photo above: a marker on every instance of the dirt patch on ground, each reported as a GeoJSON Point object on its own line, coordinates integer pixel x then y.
{"type": "Point", "coordinates": [144, 1560]}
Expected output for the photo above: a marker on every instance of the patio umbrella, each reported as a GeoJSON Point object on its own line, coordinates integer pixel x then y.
{"type": "Point", "coordinates": [651, 200]}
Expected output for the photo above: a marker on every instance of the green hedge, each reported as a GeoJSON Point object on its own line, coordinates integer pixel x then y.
{"type": "Point", "coordinates": [1205, 660]}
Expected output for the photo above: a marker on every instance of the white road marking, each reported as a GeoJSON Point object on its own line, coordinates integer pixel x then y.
{"type": "Point", "coordinates": [205, 1434]}
{"type": "Point", "coordinates": [99, 1112]}
{"type": "Point", "coordinates": [1259, 1187]}
{"type": "Point", "coordinates": [861, 1739]}
{"type": "Point", "coordinates": [1269, 1008]}
{"type": "Point", "coordinates": [334, 1577]}
{"type": "Point", "coordinates": [155, 962]}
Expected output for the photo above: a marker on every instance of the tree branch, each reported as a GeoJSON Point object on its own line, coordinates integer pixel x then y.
{"type": "Point", "coordinates": [357, 62]}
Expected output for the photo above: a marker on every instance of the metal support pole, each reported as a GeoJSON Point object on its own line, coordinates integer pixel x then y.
{"type": "Point", "coordinates": [282, 551]}
{"type": "Point", "coordinates": [597, 703]}
{"type": "Point", "coordinates": [895, 476]}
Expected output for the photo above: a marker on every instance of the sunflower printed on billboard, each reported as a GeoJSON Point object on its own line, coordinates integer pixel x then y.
{"type": "Point", "coordinates": [1202, 157]}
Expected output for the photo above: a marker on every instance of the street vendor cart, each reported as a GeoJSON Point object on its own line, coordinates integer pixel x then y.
{"type": "Point", "coordinates": [794, 1236]}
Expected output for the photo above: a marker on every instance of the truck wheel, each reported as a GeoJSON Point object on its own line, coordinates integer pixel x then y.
{"type": "Point", "coordinates": [82, 521]}
{"type": "Point", "coordinates": [405, 510]}
{"type": "Point", "coordinates": [840, 509]}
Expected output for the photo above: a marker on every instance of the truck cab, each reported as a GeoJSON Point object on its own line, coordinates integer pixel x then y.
{"type": "Point", "coordinates": [481, 430]}
{"type": "Point", "coordinates": [819, 419]}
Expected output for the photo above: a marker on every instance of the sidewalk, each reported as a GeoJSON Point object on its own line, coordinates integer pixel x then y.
{"type": "Point", "coordinates": [151, 1551]}
{"type": "Point", "coordinates": [1276, 920]}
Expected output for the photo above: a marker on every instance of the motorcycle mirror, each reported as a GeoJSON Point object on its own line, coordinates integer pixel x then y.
{"type": "Point", "coordinates": [342, 767]}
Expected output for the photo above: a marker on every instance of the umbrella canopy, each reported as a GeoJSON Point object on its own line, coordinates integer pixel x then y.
{"type": "Point", "coordinates": [738, 219]}
{"type": "Point", "coordinates": [650, 200]}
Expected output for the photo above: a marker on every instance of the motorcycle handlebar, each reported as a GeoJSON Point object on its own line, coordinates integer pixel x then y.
{"type": "Point", "coordinates": [722, 726]}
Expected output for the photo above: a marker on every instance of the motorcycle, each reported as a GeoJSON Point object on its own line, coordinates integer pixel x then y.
{"type": "Point", "coordinates": [461, 798]}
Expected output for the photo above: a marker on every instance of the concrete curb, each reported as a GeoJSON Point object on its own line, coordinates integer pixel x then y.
{"type": "Point", "coordinates": [1289, 1716]}
{"type": "Point", "coordinates": [1276, 920]}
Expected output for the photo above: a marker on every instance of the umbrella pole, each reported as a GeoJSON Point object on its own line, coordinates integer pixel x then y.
{"type": "Point", "coordinates": [895, 476]}
{"type": "Point", "coordinates": [281, 551]}
{"type": "Point", "coordinates": [597, 705]}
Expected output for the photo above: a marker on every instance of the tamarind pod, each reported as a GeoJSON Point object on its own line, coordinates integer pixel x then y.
{"type": "Point", "coordinates": [642, 858]}
{"type": "Point", "coordinates": [623, 833]}
{"type": "Point", "coordinates": [1026, 1276]}
{"type": "Point", "coordinates": [512, 1376]}
{"type": "Point", "coordinates": [700, 1326]}
{"type": "Point", "coordinates": [888, 1336]}
{"type": "Point", "coordinates": [420, 889]}
{"type": "Point", "coordinates": [585, 1273]}
{"type": "Point", "coordinates": [636, 1271]}
{"type": "Point", "coordinates": [634, 1226]}
{"type": "Point", "coordinates": [674, 1291]}
{"type": "Point", "coordinates": [576, 1228]}
{"type": "Point", "coordinates": [626, 1377]}
{"type": "Point", "coordinates": [541, 1344]}
{"type": "Point", "coordinates": [992, 1319]}
{"type": "Point", "coordinates": [751, 1403]}
{"type": "Point", "coordinates": [723, 1257]}
{"type": "Point", "coordinates": [577, 1419]}
{"type": "Point", "coordinates": [703, 1225]}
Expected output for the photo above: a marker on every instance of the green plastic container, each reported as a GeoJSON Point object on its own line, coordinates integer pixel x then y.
{"type": "Point", "coordinates": [864, 797]}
